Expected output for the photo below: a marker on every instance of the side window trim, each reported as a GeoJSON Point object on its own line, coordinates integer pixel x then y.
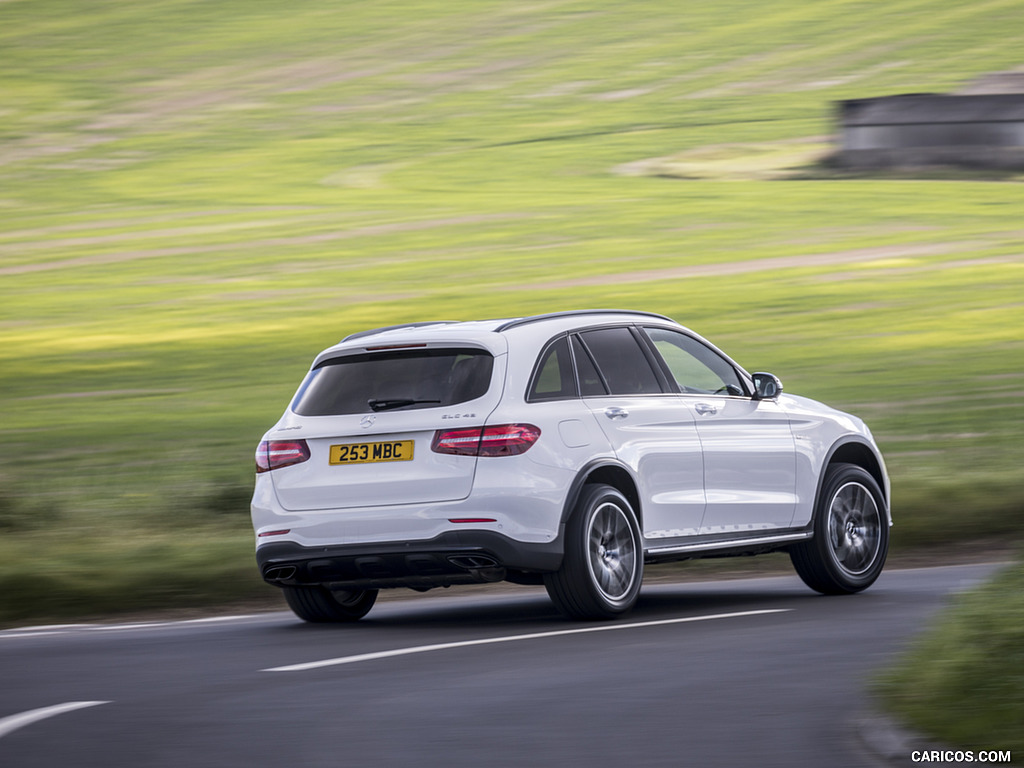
{"type": "Point", "coordinates": [664, 377]}
{"type": "Point", "coordinates": [579, 342]}
{"type": "Point", "coordinates": [575, 344]}
{"type": "Point", "coordinates": [660, 365]}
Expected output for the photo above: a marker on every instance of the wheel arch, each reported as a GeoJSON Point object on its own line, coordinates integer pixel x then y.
{"type": "Point", "coordinates": [818, 560]}
{"type": "Point", "coordinates": [861, 453]}
{"type": "Point", "coordinates": [608, 472]}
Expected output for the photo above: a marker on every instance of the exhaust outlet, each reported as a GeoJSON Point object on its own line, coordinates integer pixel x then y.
{"type": "Point", "coordinates": [279, 573]}
{"type": "Point", "coordinates": [473, 562]}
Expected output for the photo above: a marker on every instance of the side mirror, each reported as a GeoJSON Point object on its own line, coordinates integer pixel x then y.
{"type": "Point", "coordinates": [766, 386]}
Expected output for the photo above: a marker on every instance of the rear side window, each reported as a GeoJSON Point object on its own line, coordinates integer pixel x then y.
{"type": "Point", "coordinates": [554, 379]}
{"type": "Point", "coordinates": [405, 379]}
{"type": "Point", "coordinates": [621, 361]}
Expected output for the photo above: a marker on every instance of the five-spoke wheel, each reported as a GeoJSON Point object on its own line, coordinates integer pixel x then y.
{"type": "Point", "coordinates": [851, 534]}
{"type": "Point", "coordinates": [603, 563]}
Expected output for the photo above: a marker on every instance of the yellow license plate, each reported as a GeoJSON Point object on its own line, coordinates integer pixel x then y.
{"type": "Point", "coordinates": [371, 453]}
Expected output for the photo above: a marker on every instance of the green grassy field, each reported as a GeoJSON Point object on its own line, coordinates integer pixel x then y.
{"type": "Point", "coordinates": [197, 197]}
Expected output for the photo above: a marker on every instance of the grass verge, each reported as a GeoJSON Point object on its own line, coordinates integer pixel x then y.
{"type": "Point", "coordinates": [962, 683]}
{"type": "Point", "coordinates": [92, 577]}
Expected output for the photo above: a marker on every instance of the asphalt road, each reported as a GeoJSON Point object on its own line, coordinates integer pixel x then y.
{"type": "Point", "coordinates": [757, 672]}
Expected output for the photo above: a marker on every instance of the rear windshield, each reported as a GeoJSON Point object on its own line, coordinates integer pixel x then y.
{"type": "Point", "coordinates": [395, 380]}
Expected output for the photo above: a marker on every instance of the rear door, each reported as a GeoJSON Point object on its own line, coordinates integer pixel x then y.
{"type": "Point", "coordinates": [748, 445]}
{"type": "Point", "coordinates": [651, 431]}
{"type": "Point", "coordinates": [369, 419]}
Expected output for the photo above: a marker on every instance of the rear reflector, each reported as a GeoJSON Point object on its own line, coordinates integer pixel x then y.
{"type": "Point", "coordinates": [471, 520]}
{"type": "Point", "coordinates": [274, 533]}
{"type": "Point", "coordinates": [274, 454]}
{"type": "Point", "coordinates": [500, 440]}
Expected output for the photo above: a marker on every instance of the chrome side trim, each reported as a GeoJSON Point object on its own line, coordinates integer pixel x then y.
{"type": "Point", "coordinates": [729, 543]}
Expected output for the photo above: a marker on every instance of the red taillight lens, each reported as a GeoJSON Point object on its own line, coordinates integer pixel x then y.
{"type": "Point", "coordinates": [274, 454]}
{"type": "Point", "coordinates": [500, 440]}
{"type": "Point", "coordinates": [457, 442]}
{"type": "Point", "coordinates": [508, 439]}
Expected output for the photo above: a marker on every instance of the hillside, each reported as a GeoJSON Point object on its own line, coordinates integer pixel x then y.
{"type": "Point", "coordinates": [197, 197]}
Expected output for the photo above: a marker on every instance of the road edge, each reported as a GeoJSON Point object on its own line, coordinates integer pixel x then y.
{"type": "Point", "coordinates": [890, 743]}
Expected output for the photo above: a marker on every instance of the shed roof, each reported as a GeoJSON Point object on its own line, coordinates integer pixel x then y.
{"type": "Point", "coordinates": [919, 108]}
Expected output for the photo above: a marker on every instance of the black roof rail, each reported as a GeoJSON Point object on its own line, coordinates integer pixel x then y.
{"type": "Point", "coordinates": [375, 331]}
{"type": "Point", "coordinates": [576, 313]}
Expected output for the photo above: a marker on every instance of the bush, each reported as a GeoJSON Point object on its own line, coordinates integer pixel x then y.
{"type": "Point", "coordinates": [963, 681]}
{"type": "Point", "coordinates": [18, 513]}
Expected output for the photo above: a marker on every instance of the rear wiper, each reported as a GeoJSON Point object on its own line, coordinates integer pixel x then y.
{"type": "Point", "coordinates": [398, 402]}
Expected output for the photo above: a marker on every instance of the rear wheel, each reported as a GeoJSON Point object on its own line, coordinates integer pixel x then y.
{"type": "Point", "coordinates": [603, 564]}
{"type": "Point", "coordinates": [851, 534]}
{"type": "Point", "coordinates": [319, 604]}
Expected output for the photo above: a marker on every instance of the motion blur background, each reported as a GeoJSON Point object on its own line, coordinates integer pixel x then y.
{"type": "Point", "coordinates": [198, 196]}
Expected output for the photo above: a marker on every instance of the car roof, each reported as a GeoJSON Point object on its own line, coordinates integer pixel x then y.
{"type": "Point", "coordinates": [488, 334]}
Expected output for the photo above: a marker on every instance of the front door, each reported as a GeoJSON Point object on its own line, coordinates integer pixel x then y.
{"type": "Point", "coordinates": [748, 446]}
{"type": "Point", "coordinates": [749, 464]}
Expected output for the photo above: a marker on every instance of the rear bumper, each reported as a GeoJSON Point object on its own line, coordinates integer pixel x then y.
{"type": "Point", "coordinates": [455, 557]}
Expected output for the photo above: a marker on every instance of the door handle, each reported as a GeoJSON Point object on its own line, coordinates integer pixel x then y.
{"type": "Point", "coordinates": [616, 413]}
{"type": "Point", "coordinates": [706, 409]}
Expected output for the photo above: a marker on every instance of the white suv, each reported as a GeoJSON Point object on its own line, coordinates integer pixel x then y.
{"type": "Point", "coordinates": [568, 449]}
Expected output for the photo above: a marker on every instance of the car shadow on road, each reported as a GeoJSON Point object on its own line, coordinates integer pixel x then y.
{"type": "Point", "coordinates": [530, 608]}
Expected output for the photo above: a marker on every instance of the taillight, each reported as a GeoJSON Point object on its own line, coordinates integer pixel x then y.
{"type": "Point", "coordinates": [274, 454]}
{"type": "Point", "coordinates": [500, 440]}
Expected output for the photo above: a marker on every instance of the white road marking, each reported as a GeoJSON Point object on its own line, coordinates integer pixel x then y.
{"type": "Point", "coordinates": [11, 634]}
{"type": "Point", "coordinates": [222, 619]}
{"type": "Point", "coordinates": [14, 722]}
{"type": "Point", "coordinates": [66, 629]}
{"type": "Point", "coordinates": [509, 639]}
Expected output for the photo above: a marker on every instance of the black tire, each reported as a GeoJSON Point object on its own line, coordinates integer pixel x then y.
{"type": "Point", "coordinates": [318, 604]}
{"type": "Point", "coordinates": [603, 564]}
{"type": "Point", "coordinates": [851, 534]}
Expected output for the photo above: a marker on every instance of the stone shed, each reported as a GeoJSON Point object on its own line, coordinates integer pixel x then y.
{"type": "Point", "coordinates": [977, 128]}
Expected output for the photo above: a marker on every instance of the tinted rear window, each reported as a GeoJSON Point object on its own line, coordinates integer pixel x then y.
{"type": "Point", "coordinates": [397, 380]}
{"type": "Point", "coordinates": [621, 361]}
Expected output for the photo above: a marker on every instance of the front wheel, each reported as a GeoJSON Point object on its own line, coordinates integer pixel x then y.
{"type": "Point", "coordinates": [318, 604]}
{"type": "Point", "coordinates": [851, 534]}
{"type": "Point", "coordinates": [604, 560]}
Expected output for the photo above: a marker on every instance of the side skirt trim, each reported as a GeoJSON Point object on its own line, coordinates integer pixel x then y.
{"type": "Point", "coordinates": [711, 546]}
